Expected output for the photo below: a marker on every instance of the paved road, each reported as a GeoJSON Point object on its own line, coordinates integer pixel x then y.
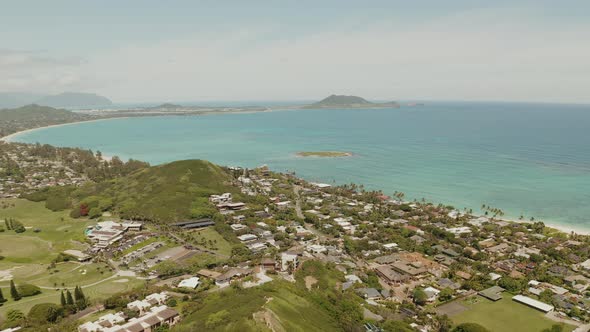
{"type": "Point", "coordinates": [557, 318]}
{"type": "Point", "coordinates": [311, 228]}
{"type": "Point", "coordinates": [296, 189]}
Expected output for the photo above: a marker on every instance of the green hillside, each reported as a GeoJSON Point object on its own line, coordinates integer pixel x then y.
{"type": "Point", "coordinates": [37, 113]}
{"type": "Point", "coordinates": [169, 192]}
{"type": "Point", "coordinates": [34, 116]}
{"type": "Point", "coordinates": [278, 305]}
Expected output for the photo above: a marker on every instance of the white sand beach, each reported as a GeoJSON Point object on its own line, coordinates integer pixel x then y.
{"type": "Point", "coordinates": [10, 138]}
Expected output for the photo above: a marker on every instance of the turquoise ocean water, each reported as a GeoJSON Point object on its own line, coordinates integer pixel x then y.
{"type": "Point", "coordinates": [531, 159]}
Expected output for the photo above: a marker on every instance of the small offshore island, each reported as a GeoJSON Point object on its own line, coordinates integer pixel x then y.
{"type": "Point", "coordinates": [324, 154]}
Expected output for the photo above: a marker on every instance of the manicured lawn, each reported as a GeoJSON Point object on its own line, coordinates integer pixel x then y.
{"type": "Point", "coordinates": [47, 296]}
{"type": "Point", "coordinates": [219, 244]}
{"type": "Point", "coordinates": [24, 249]}
{"type": "Point", "coordinates": [113, 286]}
{"type": "Point", "coordinates": [58, 232]}
{"type": "Point", "coordinates": [28, 255]}
{"type": "Point", "coordinates": [504, 315]}
{"type": "Point", "coordinates": [96, 292]}
{"type": "Point", "coordinates": [20, 271]}
{"type": "Point", "coordinates": [69, 276]}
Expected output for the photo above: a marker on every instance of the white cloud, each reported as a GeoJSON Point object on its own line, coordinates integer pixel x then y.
{"type": "Point", "coordinates": [35, 71]}
{"type": "Point", "coordinates": [490, 55]}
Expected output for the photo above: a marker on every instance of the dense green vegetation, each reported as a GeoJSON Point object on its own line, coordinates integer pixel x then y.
{"type": "Point", "coordinates": [21, 163]}
{"type": "Point", "coordinates": [313, 303]}
{"type": "Point", "coordinates": [284, 306]}
{"type": "Point", "coordinates": [33, 116]}
{"type": "Point", "coordinates": [470, 327]}
{"type": "Point", "coordinates": [169, 192]}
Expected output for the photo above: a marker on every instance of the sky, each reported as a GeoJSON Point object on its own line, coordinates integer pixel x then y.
{"type": "Point", "coordinates": [147, 50]}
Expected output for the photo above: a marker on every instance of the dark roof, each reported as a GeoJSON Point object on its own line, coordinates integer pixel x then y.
{"type": "Point", "coordinates": [194, 223]}
{"type": "Point", "coordinates": [386, 259]}
{"type": "Point", "coordinates": [370, 293]}
{"type": "Point", "coordinates": [167, 314]}
{"type": "Point", "coordinates": [451, 252]}
{"type": "Point", "coordinates": [493, 293]}
{"type": "Point", "coordinates": [233, 273]}
{"type": "Point", "coordinates": [445, 282]}
{"type": "Point", "coordinates": [390, 274]}
{"type": "Point", "coordinates": [134, 328]}
{"type": "Point", "coordinates": [268, 261]}
{"type": "Point", "coordinates": [153, 320]}
{"type": "Point", "coordinates": [208, 273]}
{"type": "Point", "coordinates": [408, 269]}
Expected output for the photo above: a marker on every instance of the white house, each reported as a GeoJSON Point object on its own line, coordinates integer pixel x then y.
{"type": "Point", "coordinates": [247, 237]}
{"type": "Point", "coordinates": [431, 293]}
{"type": "Point", "coordinates": [191, 283]}
{"type": "Point", "coordinates": [390, 246]}
{"type": "Point", "coordinates": [140, 306]}
{"type": "Point", "coordinates": [287, 259]}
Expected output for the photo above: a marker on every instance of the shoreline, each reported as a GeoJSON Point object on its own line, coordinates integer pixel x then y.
{"type": "Point", "coordinates": [560, 227]}
{"type": "Point", "coordinates": [10, 138]}
{"type": "Point", "coordinates": [567, 229]}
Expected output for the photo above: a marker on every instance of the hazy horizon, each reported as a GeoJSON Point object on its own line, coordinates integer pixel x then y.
{"type": "Point", "coordinates": [147, 51]}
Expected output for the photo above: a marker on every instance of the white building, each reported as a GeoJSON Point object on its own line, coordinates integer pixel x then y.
{"type": "Point", "coordinates": [238, 227]}
{"type": "Point", "coordinates": [459, 230]}
{"type": "Point", "coordinates": [157, 298]}
{"type": "Point", "coordinates": [139, 305]}
{"type": "Point", "coordinates": [247, 237]}
{"type": "Point", "coordinates": [106, 233]}
{"type": "Point", "coordinates": [431, 293]}
{"type": "Point", "coordinates": [494, 276]}
{"type": "Point", "coordinates": [317, 248]}
{"type": "Point", "coordinates": [390, 246]}
{"type": "Point", "coordinates": [223, 198]}
{"type": "Point", "coordinates": [256, 246]}
{"type": "Point", "coordinates": [320, 185]}
{"type": "Point", "coordinates": [191, 283]}
{"type": "Point", "coordinates": [288, 259]}
{"type": "Point", "coordinates": [544, 307]}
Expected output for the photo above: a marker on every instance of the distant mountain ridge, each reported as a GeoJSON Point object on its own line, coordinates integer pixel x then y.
{"type": "Point", "coordinates": [342, 101]}
{"type": "Point", "coordinates": [66, 99]}
{"type": "Point", "coordinates": [39, 113]}
{"type": "Point", "coordinates": [74, 99]}
{"type": "Point", "coordinates": [17, 99]}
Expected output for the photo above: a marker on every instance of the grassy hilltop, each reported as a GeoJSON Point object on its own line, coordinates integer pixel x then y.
{"type": "Point", "coordinates": [168, 192]}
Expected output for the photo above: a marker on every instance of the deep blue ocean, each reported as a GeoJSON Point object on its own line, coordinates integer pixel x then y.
{"type": "Point", "coordinates": [529, 159]}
